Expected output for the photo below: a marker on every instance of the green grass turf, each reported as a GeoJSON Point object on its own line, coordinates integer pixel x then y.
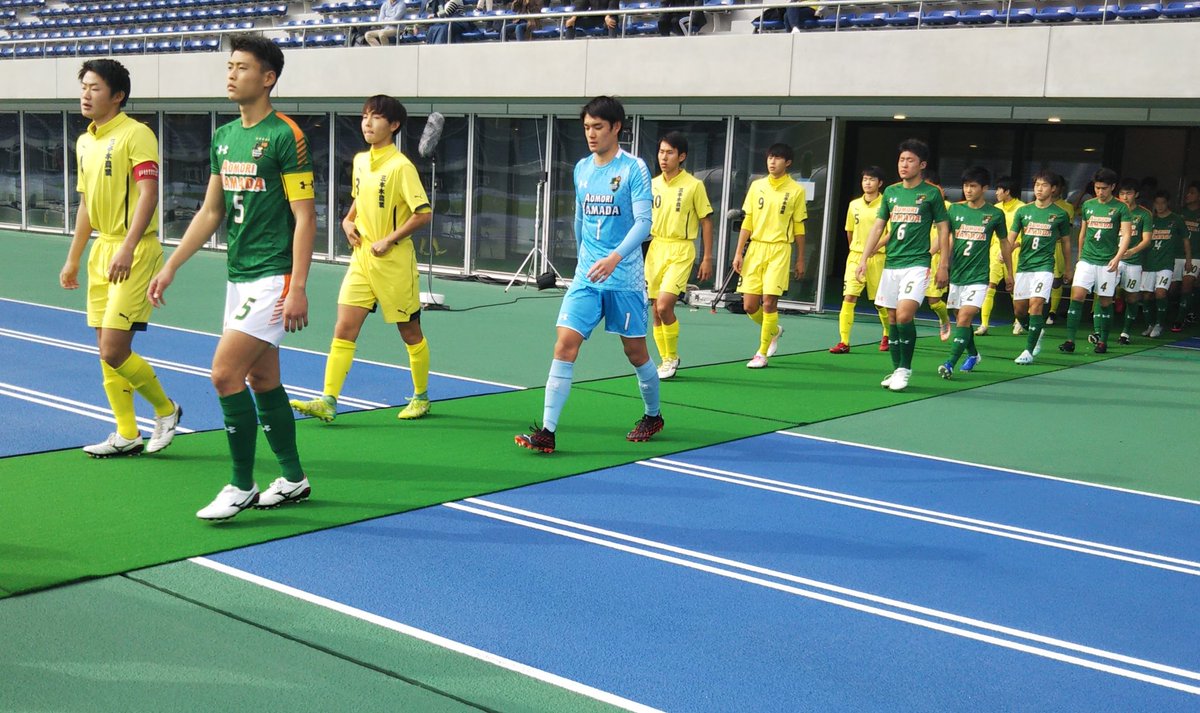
{"type": "Point", "coordinates": [86, 518]}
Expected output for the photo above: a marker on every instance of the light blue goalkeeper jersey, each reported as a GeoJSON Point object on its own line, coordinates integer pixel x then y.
{"type": "Point", "coordinates": [608, 200]}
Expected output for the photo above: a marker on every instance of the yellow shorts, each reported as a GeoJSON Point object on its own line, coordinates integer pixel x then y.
{"type": "Point", "coordinates": [1059, 261]}
{"type": "Point", "coordinates": [932, 290]}
{"type": "Point", "coordinates": [391, 281]}
{"type": "Point", "coordinates": [121, 305]}
{"type": "Point", "coordinates": [668, 266]}
{"type": "Point", "coordinates": [874, 271]}
{"type": "Point", "coordinates": [996, 271]}
{"type": "Point", "coordinates": [766, 269]}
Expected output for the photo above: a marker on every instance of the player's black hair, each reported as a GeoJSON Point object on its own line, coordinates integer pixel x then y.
{"type": "Point", "coordinates": [1164, 194]}
{"type": "Point", "coordinates": [607, 109]}
{"type": "Point", "coordinates": [782, 151]}
{"type": "Point", "coordinates": [916, 147]}
{"type": "Point", "coordinates": [268, 54]}
{"type": "Point", "coordinates": [1193, 184]}
{"type": "Point", "coordinates": [114, 74]}
{"type": "Point", "coordinates": [1129, 184]}
{"type": "Point", "coordinates": [675, 140]}
{"type": "Point", "coordinates": [1045, 175]}
{"type": "Point", "coordinates": [873, 172]}
{"type": "Point", "coordinates": [1105, 175]}
{"type": "Point", "coordinates": [977, 174]}
{"type": "Point", "coordinates": [389, 108]}
{"type": "Point", "coordinates": [1007, 183]}
{"type": "Point", "coordinates": [1059, 182]}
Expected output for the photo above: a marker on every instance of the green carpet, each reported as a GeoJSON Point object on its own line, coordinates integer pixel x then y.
{"type": "Point", "coordinates": [83, 518]}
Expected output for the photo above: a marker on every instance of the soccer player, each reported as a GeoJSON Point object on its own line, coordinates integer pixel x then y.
{"type": "Point", "coordinates": [613, 203]}
{"type": "Point", "coordinates": [118, 197]}
{"type": "Point", "coordinates": [389, 205]}
{"type": "Point", "coordinates": [1103, 239]}
{"type": "Point", "coordinates": [775, 209]}
{"type": "Point", "coordinates": [933, 291]}
{"type": "Point", "coordinates": [1060, 262]}
{"type": "Point", "coordinates": [262, 189]}
{"type": "Point", "coordinates": [680, 206]}
{"type": "Point", "coordinates": [860, 218]}
{"type": "Point", "coordinates": [1044, 226]}
{"type": "Point", "coordinates": [1168, 230]}
{"type": "Point", "coordinates": [1129, 272]}
{"type": "Point", "coordinates": [974, 225]}
{"type": "Point", "coordinates": [914, 208]}
{"type": "Point", "coordinates": [1008, 204]}
{"type": "Point", "coordinates": [1183, 274]}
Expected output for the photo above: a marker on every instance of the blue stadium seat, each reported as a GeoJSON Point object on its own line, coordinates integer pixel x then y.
{"type": "Point", "coordinates": [1140, 11]}
{"type": "Point", "coordinates": [1017, 16]}
{"type": "Point", "coordinates": [1182, 10]}
{"type": "Point", "coordinates": [831, 20]}
{"type": "Point", "coordinates": [1096, 13]}
{"type": "Point", "coordinates": [1055, 14]}
{"type": "Point", "coordinates": [868, 19]}
{"type": "Point", "coordinates": [940, 18]}
{"type": "Point", "coordinates": [902, 18]}
{"type": "Point", "coordinates": [767, 25]}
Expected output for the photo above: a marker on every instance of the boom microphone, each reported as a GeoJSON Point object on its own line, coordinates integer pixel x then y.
{"type": "Point", "coordinates": [735, 214]}
{"type": "Point", "coordinates": [432, 134]}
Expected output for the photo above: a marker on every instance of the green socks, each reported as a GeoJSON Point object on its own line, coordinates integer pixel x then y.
{"type": "Point", "coordinates": [1074, 312]}
{"type": "Point", "coordinates": [961, 336]}
{"type": "Point", "coordinates": [1104, 316]}
{"type": "Point", "coordinates": [1037, 322]}
{"type": "Point", "coordinates": [240, 431]}
{"type": "Point", "coordinates": [279, 425]}
{"type": "Point", "coordinates": [894, 337]}
{"type": "Point", "coordinates": [907, 335]}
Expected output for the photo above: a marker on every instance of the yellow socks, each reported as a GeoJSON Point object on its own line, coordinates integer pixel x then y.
{"type": "Point", "coordinates": [939, 308]}
{"type": "Point", "coordinates": [770, 325]}
{"type": "Point", "coordinates": [882, 319]}
{"type": "Point", "coordinates": [337, 366]}
{"type": "Point", "coordinates": [120, 399]}
{"type": "Point", "coordinates": [670, 340]}
{"type": "Point", "coordinates": [757, 316]}
{"type": "Point", "coordinates": [1055, 299]}
{"type": "Point", "coordinates": [845, 322]}
{"type": "Point", "coordinates": [418, 362]}
{"type": "Point", "coordinates": [140, 375]}
{"type": "Point", "coordinates": [985, 315]}
{"type": "Point", "coordinates": [660, 341]}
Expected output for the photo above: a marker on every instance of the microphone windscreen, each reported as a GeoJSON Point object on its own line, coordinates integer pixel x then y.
{"type": "Point", "coordinates": [431, 135]}
{"type": "Point", "coordinates": [735, 214]}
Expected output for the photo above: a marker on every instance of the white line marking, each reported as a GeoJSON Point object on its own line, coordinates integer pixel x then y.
{"type": "Point", "coordinates": [495, 660]}
{"type": "Point", "coordinates": [905, 606]}
{"type": "Point", "coordinates": [986, 527]}
{"type": "Point", "coordinates": [76, 407]}
{"type": "Point", "coordinates": [997, 468]}
{"type": "Point", "coordinates": [293, 349]}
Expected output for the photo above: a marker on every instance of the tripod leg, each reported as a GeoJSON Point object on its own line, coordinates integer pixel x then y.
{"type": "Point", "coordinates": [721, 290]}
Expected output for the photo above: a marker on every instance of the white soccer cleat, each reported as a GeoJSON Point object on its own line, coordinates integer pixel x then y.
{"type": "Point", "coordinates": [1018, 329]}
{"type": "Point", "coordinates": [668, 368]}
{"type": "Point", "coordinates": [774, 346]}
{"type": "Point", "coordinates": [114, 446]}
{"type": "Point", "coordinates": [1156, 332]}
{"type": "Point", "coordinates": [1025, 359]}
{"type": "Point", "coordinates": [887, 380]}
{"type": "Point", "coordinates": [229, 502]}
{"type": "Point", "coordinates": [899, 380]}
{"type": "Point", "coordinates": [981, 331]}
{"type": "Point", "coordinates": [757, 362]}
{"type": "Point", "coordinates": [1147, 330]}
{"type": "Point", "coordinates": [164, 430]}
{"type": "Point", "coordinates": [1037, 346]}
{"type": "Point", "coordinates": [282, 492]}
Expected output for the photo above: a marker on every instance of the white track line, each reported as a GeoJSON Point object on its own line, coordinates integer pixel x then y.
{"type": "Point", "coordinates": [986, 527]}
{"type": "Point", "coordinates": [535, 673]}
{"type": "Point", "coordinates": [997, 468]}
{"type": "Point", "coordinates": [177, 366]}
{"type": "Point", "coordinates": [493, 508]}
{"type": "Point", "coordinates": [293, 349]}
{"type": "Point", "coordinates": [71, 406]}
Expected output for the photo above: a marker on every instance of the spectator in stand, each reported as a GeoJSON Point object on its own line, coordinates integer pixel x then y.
{"type": "Point", "coordinates": [522, 30]}
{"type": "Point", "coordinates": [451, 31]}
{"type": "Point", "coordinates": [390, 11]}
{"type": "Point", "coordinates": [799, 14]}
{"type": "Point", "coordinates": [609, 22]}
{"type": "Point", "coordinates": [681, 23]}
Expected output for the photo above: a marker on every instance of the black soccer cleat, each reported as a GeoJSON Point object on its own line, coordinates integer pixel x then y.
{"type": "Point", "coordinates": [1094, 338]}
{"type": "Point", "coordinates": [646, 427]}
{"type": "Point", "coordinates": [538, 439]}
{"type": "Point", "coordinates": [1124, 339]}
{"type": "Point", "coordinates": [1101, 348]}
{"type": "Point", "coordinates": [1067, 346]}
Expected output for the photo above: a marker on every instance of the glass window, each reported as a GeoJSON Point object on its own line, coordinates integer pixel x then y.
{"type": "Point", "coordinates": [45, 190]}
{"type": "Point", "coordinates": [509, 153]}
{"type": "Point", "coordinates": [76, 125]}
{"type": "Point", "coordinates": [1076, 153]}
{"type": "Point", "coordinates": [984, 145]}
{"type": "Point", "coordinates": [316, 130]}
{"type": "Point", "coordinates": [186, 170]}
{"type": "Point", "coordinates": [449, 196]}
{"type": "Point", "coordinates": [810, 145]}
{"type": "Point", "coordinates": [705, 160]}
{"type": "Point", "coordinates": [348, 141]}
{"type": "Point", "coordinates": [10, 168]}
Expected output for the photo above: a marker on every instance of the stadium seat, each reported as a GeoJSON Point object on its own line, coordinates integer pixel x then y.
{"type": "Point", "coordinates": [1140, 11]}
{"type": "Point", "coordinates": [833, 20]}
{"type": "Point", "coordinates": [1096, 13]}
{"type": "Point", "coordinates": [1055, 14]}
{"type": "Point", "coordinates": [902, 18]}
{"type": "Point", "coordinates": [1017, 16]}
{"type": "Point", "coordinates": [1182, 10]}
{"type": "Point", "coordinates": [868, 19]}
{"type": "Point", "coordinates": [940, 18]}
{"type": "Point", "coordinates": [761, 25]}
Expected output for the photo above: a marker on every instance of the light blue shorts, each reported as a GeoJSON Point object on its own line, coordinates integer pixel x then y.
{"type": "Point", "coordinates": [625, 312]}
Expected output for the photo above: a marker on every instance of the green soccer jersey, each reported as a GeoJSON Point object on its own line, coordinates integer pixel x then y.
{"type": "Point", "coordinates": [1142, 221]}
{"type": "Point", "coordinates": [1166, 232]}
{"type": "Point", "coordinates": [971, 231]}
{"type": "Point", "coordinates": [1042, 228]}
{"type": "Point", "coordinates": [914, 213]}
{"type": "Point", "coordinates": [262, 168]}
{"type": "Point", "coordinates": [1191, 219]}
{"type": "Point", "coordinates": [1103, 236]}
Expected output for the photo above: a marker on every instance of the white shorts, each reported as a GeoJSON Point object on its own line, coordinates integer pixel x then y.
{"type": "Point", "coordinates": [1028, 285]}
{"type": "Point", "coordinates": [1179, 273]}
{"type": "Point", "coordinates": [1156, 280]}
{"type": "Point", "coordinates": [256, 307]}
{"type": "Point", "coordinates": [1094, 278]}
{"type": "Point", "coordinates": [903, 283]}
{"type": "Point", "coordinates": [1129, 277]}
{"type": "Point", "coordinates": [966, 296]}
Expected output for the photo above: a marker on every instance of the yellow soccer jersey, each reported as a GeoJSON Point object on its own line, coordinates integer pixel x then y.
{"type": "Point", "coordinates": [1066, 205]}
{"type": "Point", "coordinates": [386, 191]}
{"type": "Point", "coordinates": [112, 158]}
{"type": "Point", "coordinates": [860, 218]}
{"type": "Point", "coordinates": [775, 210]}
{"type": "Point", "coordinates": [679, 206]}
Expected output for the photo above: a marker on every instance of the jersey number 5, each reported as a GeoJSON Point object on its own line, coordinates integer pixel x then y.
{"type": "Point", "coordinates": [245, 309]}
{"type": "Point", "coordinates": [239, 211]}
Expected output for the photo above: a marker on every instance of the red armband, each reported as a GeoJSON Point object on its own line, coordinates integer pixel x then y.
{"type": "Point", "coordinates": [145, 170]}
